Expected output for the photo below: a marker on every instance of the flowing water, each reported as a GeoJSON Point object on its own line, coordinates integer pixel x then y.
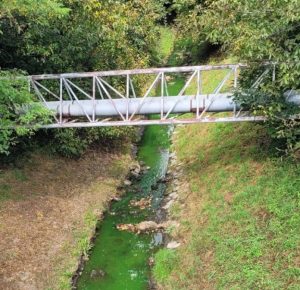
{"type": "Point", "coordinates": [123, 256]}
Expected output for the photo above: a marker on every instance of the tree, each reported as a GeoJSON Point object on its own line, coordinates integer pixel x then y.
{"type": "Point", "coordinates": [52, 36]}
{"type": "Point", "coordinates": [17, 110]}
{"type": "Point", "coordinates": [255, 32]}
{"type": "Point", "coordinates": [94, 35]}
{"type": "Point", "coordinates": [38, 11]}
{"type": "Point", "coordinates": [17, 107]}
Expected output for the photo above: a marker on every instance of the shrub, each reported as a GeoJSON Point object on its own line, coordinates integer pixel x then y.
{"type": "Point", "coordinates": [19, 116]}
{"type": "Point", "coordinates": [254, 32]}
{"type": "Point", "coordinates": [72, 143]}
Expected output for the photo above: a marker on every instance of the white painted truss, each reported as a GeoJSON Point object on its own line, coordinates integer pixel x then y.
{"type": "Point", "coordinates": [111, 98]}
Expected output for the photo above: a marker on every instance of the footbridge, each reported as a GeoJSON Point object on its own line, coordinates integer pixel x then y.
{"type": "Point", "coordinates": [126, 97]}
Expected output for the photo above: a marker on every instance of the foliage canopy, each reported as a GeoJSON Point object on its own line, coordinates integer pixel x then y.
{"type": "Point", "coordinates": [13, 97]}
{"type": "Point", "coordinates": [52, 36]}
{"type": "Point", "coordinates": [254, 32]}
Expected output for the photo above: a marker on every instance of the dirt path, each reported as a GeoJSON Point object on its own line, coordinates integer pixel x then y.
{"type": "Point", "coordinates": [47, 212]}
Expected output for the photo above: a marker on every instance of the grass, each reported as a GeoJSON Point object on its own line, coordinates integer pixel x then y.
{"type": "Point", "coordinates": [82, 245]}
{"type": "Point", "coordinates": [20, 175]}
{"type": "Point", "coordinates": [82, 236]}
{"type": "Point", "coordinates": [165, 260]}
{"type": "Point", "coordinates": [165, 43]}
{"type": "Point", "coordinates": [5, 192]}
{"type": "Point", "coordinates": [241, 224]}
{"type": "Point", "coordinates": [211, 79]}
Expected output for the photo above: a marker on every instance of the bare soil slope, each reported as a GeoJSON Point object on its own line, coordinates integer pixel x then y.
{"type": "Point", "coordinates": [48, 211]}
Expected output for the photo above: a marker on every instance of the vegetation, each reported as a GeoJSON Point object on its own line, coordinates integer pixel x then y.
{"type": "Point", "coordinates": [85, 35]}
{"type": "Point", "coordinates": [53, 36]}
{"type": "Point", "coordinates": [41, 11]}
{"type": "Point", "coordinates": [238, 209]}
{"type": "Point", "coordinates": [13, 94]}
{"type": "Point", "coordinates": [166, 44]}
{"type": "Point", "coordinates": [56, 35]}
{"type": "Point", "coordinates": [73, 143]}
{"type": "Point", "coordinates": [241, 220]}
{"type": "Point", "coordinates": [50, 205]}
{"type": "Point", "coordinates": [254, 32]}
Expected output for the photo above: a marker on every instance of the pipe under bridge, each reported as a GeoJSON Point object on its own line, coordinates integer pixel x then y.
{"type": "Point", "coordinates": [124, 97]}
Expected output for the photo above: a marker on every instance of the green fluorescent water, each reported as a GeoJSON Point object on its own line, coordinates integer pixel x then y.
{"type": "Point", "coordinates": [122, 255]}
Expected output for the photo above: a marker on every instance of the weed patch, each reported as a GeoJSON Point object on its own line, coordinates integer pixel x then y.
{"type": "Point", "coordinates": [165, 263]}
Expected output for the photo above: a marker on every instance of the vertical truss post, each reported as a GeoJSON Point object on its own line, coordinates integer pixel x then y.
{"type": "Point", "coordinates": [60, 100]}
{"type": "Point", "coordinates": [94, 99]}
{"type": "Point", "coordinates": [235, 77]}
{"type": "Point", "coordinates": [198, 93]}
{"type": "Point", "coordinates": [162, 96]}
{"type": "Point", "coordinates": [235, 87]}
{"type": "Point", "coordinates": [29, 84]}
{"type": "Point", "coordinates": [127, 95]}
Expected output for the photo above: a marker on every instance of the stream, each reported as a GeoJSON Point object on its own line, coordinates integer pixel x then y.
{"type": "Point", "coordinates": [122, 257]}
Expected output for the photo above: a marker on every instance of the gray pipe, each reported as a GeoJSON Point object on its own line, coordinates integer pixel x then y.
{"type": "Point", "coordinates": [152, 105]}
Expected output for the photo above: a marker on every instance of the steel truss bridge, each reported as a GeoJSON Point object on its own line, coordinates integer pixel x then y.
{"type": "Point", "coordinates": [111, 98]}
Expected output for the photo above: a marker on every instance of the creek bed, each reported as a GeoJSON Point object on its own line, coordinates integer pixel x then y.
{"type": "Point", "coordinates": [122, 257]}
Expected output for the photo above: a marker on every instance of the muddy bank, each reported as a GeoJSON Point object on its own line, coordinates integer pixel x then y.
{"type": "Point", "coordinates": [48, 212]}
